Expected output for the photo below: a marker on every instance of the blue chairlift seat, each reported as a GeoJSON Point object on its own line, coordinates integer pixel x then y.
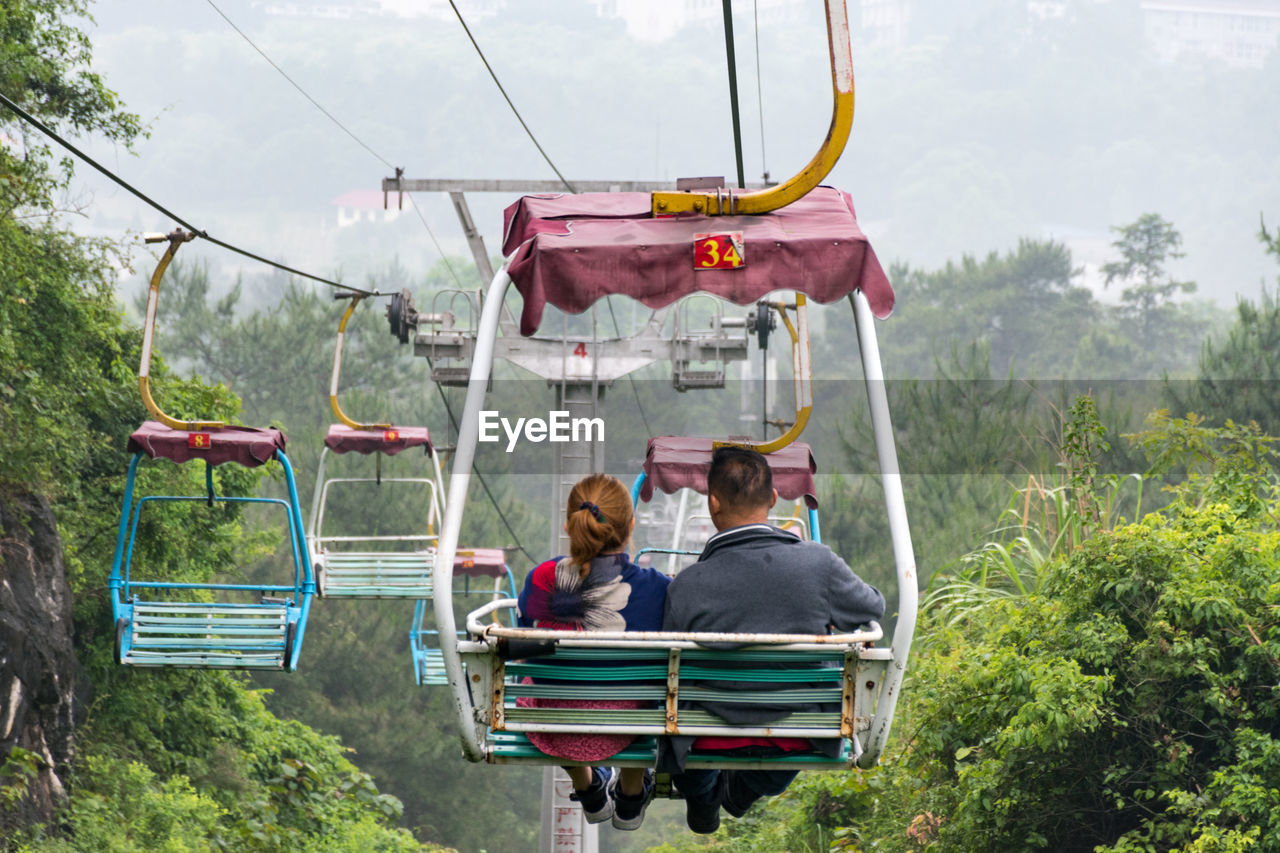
{"type": "Point", "coordinates": [208, 625]}
{"type": "Point", "coordinates": [472, 564]}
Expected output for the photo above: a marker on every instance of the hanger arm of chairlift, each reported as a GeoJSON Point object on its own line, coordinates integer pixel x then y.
{"type": "Point", "coordinates": [175, 239]}
{"type": "Point", "coordinates": [337, 370]}
{"type": "Point", "coordinates": [802, 371]}
{"type": "Point", "coordinates": [726, 201]}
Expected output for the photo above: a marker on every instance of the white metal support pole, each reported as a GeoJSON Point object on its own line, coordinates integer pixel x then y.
{"type": "Point", "coordinates": [459, 480]}
{"type": "Point", "coordinates": [899, 532]}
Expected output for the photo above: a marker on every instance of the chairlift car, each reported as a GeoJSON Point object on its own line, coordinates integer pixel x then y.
{"type": "Point", "coordinates": [373, 564]}
{"type": "Point", "coordinates": [569, 251]}
{"type": "Point", "coordinates": [214, 625]}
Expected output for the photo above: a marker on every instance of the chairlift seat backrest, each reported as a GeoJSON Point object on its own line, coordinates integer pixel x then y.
{"type": "Point", "coordinates": [672, 463]}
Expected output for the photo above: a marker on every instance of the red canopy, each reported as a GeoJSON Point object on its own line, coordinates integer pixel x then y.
{"type": "Point", "coordinates": [249, 446]}
{"type": "Point", "coordinates": [673, 463]}
{"type": "Point", "coordinates": [391, 440]}
{"type": "Point", "coordinates": [477, 562]}
{"type": "Point", "coordinates": [575, 249]}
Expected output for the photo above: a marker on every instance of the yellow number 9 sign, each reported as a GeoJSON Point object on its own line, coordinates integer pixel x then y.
{"type": "Point", "coordinates": [718, 251]}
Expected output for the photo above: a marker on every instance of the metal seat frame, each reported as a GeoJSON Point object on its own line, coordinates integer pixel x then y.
{"type": "Point", "coordinates": [360, 569]}
{"type": "Point", "coordinates": [202, 632]}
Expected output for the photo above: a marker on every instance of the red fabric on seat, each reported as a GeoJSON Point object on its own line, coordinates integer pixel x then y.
{"type": "Point", "coordinates": [247, 446]}
{"type": "Point", "coordinates": [480, 562]}
{"type": "Point", "coordinates": [672, 463]}
{"type": "Point", "coordinates": [576, 249]}
{"type": "Point", "coordinates": [344, 439]}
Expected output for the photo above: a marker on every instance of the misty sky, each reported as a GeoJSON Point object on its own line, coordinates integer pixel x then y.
{"type": "Point", "coordinates": [980, 129]}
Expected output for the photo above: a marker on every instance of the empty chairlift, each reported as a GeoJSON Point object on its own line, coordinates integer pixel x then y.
{"type": "Point", "coordinates": [378, 564]}
{"type": "Point", "coordinates": [162, 621]}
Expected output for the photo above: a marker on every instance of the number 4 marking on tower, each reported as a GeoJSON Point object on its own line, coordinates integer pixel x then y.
{"type": "Point", "coordinates": [580, 350]}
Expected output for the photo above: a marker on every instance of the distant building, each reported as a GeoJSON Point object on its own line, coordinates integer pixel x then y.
{"type": "Point", "coordinates": [365, 206]}
{"type": "Point", "coordinates": [1240, 33]}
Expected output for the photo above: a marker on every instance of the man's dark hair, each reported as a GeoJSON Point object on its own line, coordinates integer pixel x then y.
{"type": "Point", "coordinates": [740, 478]}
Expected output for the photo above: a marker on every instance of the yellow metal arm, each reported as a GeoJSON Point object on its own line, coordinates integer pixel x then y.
{"type": "Point", "coordinates": [337, 369]}
{"type": "Point", "coordinates": [803, 374]}
{"type": "Point", "coordinates": [176, 239]}
{"type": "Point", "coordinates": [722, 202]}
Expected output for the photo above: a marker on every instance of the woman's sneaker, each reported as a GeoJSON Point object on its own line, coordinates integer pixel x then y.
{"type": "Point", "coordinates": [628, 811]}
{"type": "Point", "coordinates": [596, 800]}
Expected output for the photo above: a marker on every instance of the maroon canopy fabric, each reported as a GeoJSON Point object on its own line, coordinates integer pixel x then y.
{"type": "Point", "coordinates": [248, 446]}
{"type": "Point", "coordinates": [344, 439]}
{"type": "Point", "coordinates": [675, 462]}
{"type": "Point", "coordinates": [575, 249]}
{"type": "Point", "coordinates": [480, 562]}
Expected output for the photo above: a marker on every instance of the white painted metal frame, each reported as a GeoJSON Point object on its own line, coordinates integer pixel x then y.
{"type": "Point", "coordinates": [459, 480]}
{"type": "Point", "coordinates": [425, 541]}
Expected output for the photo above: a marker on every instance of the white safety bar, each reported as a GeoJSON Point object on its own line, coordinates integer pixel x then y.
{"type": "Point", "coordinates": [459, 481]}
{"type": "Point", "coordinates": [899, 533]}
{"type": "Point", "coordinates": [320, 496]}
{"type": "Point", "coordinates": [659, 639]}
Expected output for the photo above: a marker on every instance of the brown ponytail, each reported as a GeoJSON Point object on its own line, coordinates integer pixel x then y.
{"type": "Point", "coordinates": [597, 518]}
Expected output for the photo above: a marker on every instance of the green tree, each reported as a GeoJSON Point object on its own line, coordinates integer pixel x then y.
{"type": "Point", "coordinates": [1146, 246]}
{"type": "Point", "coordinates": [1239, 375]}
{"type": "Point", "coordinates": [176, 760]}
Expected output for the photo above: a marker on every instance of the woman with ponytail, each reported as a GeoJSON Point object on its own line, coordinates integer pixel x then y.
{"type": "Point", "coordinates": [596, 588]}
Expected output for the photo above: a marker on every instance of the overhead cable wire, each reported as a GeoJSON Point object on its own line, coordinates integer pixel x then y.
{"type": "Point", "coordinates": [488, 492]}
{"type": "Point", "coordinates": [343, 128]}
{"type": "Point", "coordinates": [283, 74]}
{"type": "Point", "coordinates": [732, 62]}
{"type": "Point", "coordinates": [49, 132]}
{"type": "Point", "coordinates": [755, 20]}
{"type": "Point", "coordinates": [498, 83]}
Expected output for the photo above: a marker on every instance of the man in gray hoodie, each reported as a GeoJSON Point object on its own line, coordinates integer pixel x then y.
{"type": "Point", "coordinates": [756, 578]}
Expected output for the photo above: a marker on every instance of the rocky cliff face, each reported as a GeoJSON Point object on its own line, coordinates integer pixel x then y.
{"type": "Point", "coordinates": [37, 664]}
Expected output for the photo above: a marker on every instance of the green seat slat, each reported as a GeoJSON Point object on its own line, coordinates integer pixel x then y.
{"type": "Point", "coordinates": [775, 697]}
{"type": "Point", "coordinates": [562, 672]}
{"type": "Point", "coordinates": [212, 643]}
{"type": "Point", "coordinates": [177, 625]}
{"type": "Point", "coordinates": [212, 611]}
{"type": "Point", "coordinates": [433, 671]}
{"type": "Point", "coordinates": [515, 747]}
{"type": "Point", "coordinates": [207, 660]}
{"type": "Point", "coordinates": [800, 720]}
{"type": "Point", "coordinates": [197, 628]}
{"type": "Point", "coordinates": [588, 716]}
{"type": "Point", "coordinates": [567, 691]}
{"type": "Point", "coordinates": [771, 676]}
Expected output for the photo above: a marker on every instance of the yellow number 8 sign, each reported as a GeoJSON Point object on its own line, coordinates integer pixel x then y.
{"type": "Point", "coordinates": [718, 251]}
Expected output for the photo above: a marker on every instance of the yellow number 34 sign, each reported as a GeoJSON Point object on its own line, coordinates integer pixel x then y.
{"type": "Point", "coordinates": [718, 251]}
